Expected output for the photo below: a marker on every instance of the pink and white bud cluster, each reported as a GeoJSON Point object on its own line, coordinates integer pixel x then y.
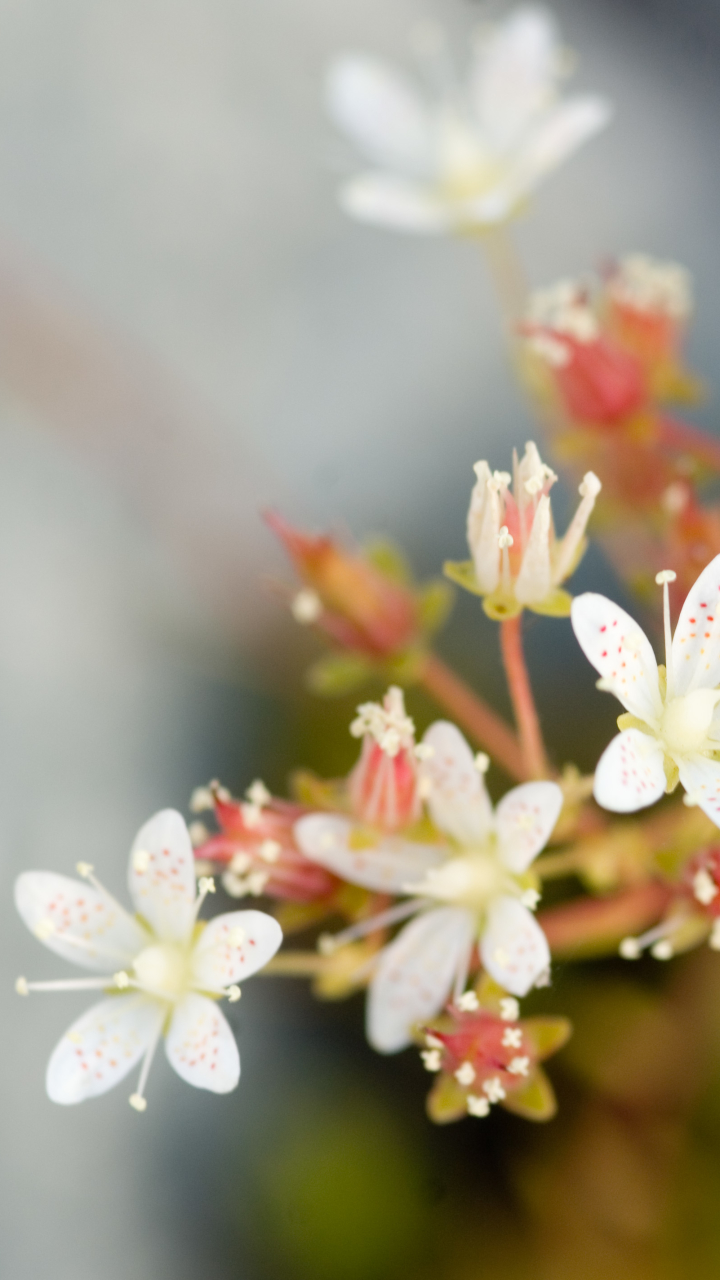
{"type": "Point", "coordinates": [488, 1055]}
{"type": "Point", "coordinates": [384, 788]}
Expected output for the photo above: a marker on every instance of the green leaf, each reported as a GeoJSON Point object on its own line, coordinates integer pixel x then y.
{"type": "Point", "coordinates": [389, 559]}
{"type": "Point", "coordinates": [546, 1035]}
{"type": "Point", "coordinates": [536, 1101]}
{"type": "Point", "coordinates": [435, 600]}
{"type": "Point", "coordinates": [338, 673]}
{"type": "Point", "coordinates": [555, 605]}
{"type": "Point", "coordinates": [462, 572]}
{"type": "Point", "coordinates": [447, 1100]}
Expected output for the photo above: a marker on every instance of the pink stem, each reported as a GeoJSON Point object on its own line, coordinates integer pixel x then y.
{"type": "Point", "coordinates": [526, 716]}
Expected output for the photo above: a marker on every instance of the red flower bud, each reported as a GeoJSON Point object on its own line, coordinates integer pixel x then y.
{"type": "Point", "coordinates": [384, 783]}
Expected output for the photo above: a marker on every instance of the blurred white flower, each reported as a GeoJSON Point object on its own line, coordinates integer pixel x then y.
{"type": "Point", "coordinates": [482, 885]}
{"type": "Point", "coordinates": [672, 731]}
{"type": "Point", "coordinates": [170, 968]}
{"type": "Point", "coordinates": [466, 156]}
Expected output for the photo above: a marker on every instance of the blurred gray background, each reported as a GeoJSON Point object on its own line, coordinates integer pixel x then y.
{"type": "Point", "coordinates": [189, 329]}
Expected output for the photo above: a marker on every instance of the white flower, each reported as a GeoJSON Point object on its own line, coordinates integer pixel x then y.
{"type": "Point", "coordinates": [461, 157]}
{"type": "Point", "coordinates": [480, 885]}
{"type": "Point", "coordinates": [673, 729]}
{"type": "Point", "coordinates": [517, 561]}
{"type": "Point", "coordinates": [170, 969]}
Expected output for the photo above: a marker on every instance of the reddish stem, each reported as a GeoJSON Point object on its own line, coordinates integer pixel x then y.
{"type": "Point", "coordinates": [688, 439]}
{"type": "Point", "coordinates": [484, 725]}
{"type": "Point", "coordinates": [526, 716]}
{"type": "Point", "coordinates": [594, 926]}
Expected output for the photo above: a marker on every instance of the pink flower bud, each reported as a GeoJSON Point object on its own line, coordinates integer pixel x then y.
{"type": "Point", "coordinates": [485, 1053]}
{"type": "Point", "coordinates": [384, 783]}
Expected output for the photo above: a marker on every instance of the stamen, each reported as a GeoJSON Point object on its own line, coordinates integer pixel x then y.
{"type": "Point", "coordinates": [476, 1106]}
{"type": "Point", "coordinates": [519, 1066]}
{"type": "Point", "coordinates": [465, 1074]}
{"type": "Point", "coordinates": [632, 948]}
{"type": "Point", "coordinates": [431, 1059]}
{"type": "Point", "coordinates": [468, 1002]}
{"type": "Point", "coordinates": [704, 887]}
{"type": "Point", "coordinates": [87, 871]}
{"type": "Point", "coordinates": [328, 943]}
{"type": "Point", "coordinates": [201, 800]}
{"type": "Point", "coordinates": [45, 929]}
{"type": "Point", "coordinates": [505, 540]}
{"type": "Point", "coordinates": [493, 1088]}
{"type": "Point", "coordinates": [23, 987]}
{"type": "Point", "coordinates": [662, 579]}
{"type": "Point", "coordinates": [206, 885]}
{"type": "Point", "coordinates": [137, 1101]}
{"type": "Point", "coordinates": [482, 762]}
{"type": "Point", "coordinates": [233, 993]}
{"type": "Point", "coordinates": [512, 1038]}
{"type": "Point", "coordinates": [509, 1009]}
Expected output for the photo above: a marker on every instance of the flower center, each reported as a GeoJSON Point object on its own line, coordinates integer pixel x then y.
{"type": "Point", "coordinates": [470, 881]}
{"type": "Point", "coordinates": [466, 170]}
{"type": "Point", "coordinates": [686, 720]}
{"type": "Point", "coordinates": [163, 969]}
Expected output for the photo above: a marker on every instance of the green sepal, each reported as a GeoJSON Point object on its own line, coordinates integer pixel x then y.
{"type": "Point", "coordinates": [462, 572]}
{"type": "Point", "coordinates": [446, 1101]}
{"type": "Point", "coordinates": [499, 606]}
{"type": "Point", "coordinates": [555, 605]}
{"type": "Point", "coordinates": [435, 599]}
{"type": "Point", "coordinates": [389, 559]}
{"type": "Point", "coordinates": [318, 793]}
{"type": "Point", "coordinates": [546, 1035]}
{"type": "Point", "coordinates": [404, 668]}
{"type": "Point", "coordinates": [338, 673]}
{"type": "Point", "coordinates": [295, 917]}
{"type": "Point", "coordinates": [536, 1101]}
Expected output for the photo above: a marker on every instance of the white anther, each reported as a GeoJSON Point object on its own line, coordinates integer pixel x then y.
{"type": "Point", "coordinates": [258, 794]}
{"type": "Point", "coordinates": [482, 762]}
{"type": "Point", "coordinates": [432, 1041]}
{"type": "Point", "coordinates": [431, 1059]}
{"type": "Point", "coordinates": [306, 606]}
{"type": "Point", "coordinates": [590, 486]}
{"type": "Point", "coordinates": [714, 939]}
{"type": "Point", "coordinates": [256, 882]}
{"type": "Point", "coordinates": [692, 798]}
{"type": "Point", "coordinates": [505, 539]}
{"type": "Point", "coordinates": [219, 792]}
{"type": "Point", "coordinates": [326, 944]}
{"type": "Point", "coordinates": [233, 993]}
{"type": "Point", "coordinates": [21, 986]}
{"type": "Point", "coordinates": [533, 485]}
{"type": "Point", "coordinates": [240, 863]}
{"type": "Point", "coordinates": [236, 937]}
{"type": "Point", "coordinates": [519, 1066]}
{"type": "Point", "coordinates": [251, 815]}
{"type": "Point", "coordinates": [424, 751]}
{"type": "Point", "coordinates": [44, 929]}
{"type": "Point", "coordinates": [465, 1074]}
{"type": "Point", "coordinates": [493, 1089]}
{"type": "Point", "coordinates": [630, 949]}
{"type": "Point", "coordinates": [530, 899]}
{"type": "Point", "coordinates": [704, 887]}
{"type": "Point", "coordinates": [498, 481]}
{"type": "Point", "coordinates": [468, 1002]}
{"type": "Point", "coordinates": [137, 1102]}
{"type": "Point", "coordinates": [121, 980]}
{"type": "Point", "coordinates": [665, 575]}
{"type": "Point", "coordinates": [509, 1009]}
{"type": "Point", "coordinates": [141, 860]}
{"type": "Point", "coordinates": [604, 684]}
{"type": "Point", "coordinates": [662, 950]}
{"type": "Point", "coordinates": [201, 799]}
{"type": "Point", "coordinates": [477, 1106]}
{"type": "Point", "coordinates": [198, 833]}
{"type": "Point", "coordinates": [206, 884]}
{"type": "Point", "coordinates": [84, 869]}
{"type": "Point", "coordinates": [270, 850]}
{"type": "Point", "coordinates": [512, 1038]}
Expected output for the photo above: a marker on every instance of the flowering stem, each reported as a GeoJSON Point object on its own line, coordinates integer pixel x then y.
{"type": "Point", "coordinates": [295, 964]}
{"type": "Point", "coordinates": [689, 439]}
{"type": "Point", "coordinates": [484, 725]}
{"type": "Point", "coordinates": [506, 272]}
{"type": "Point", "coordinates": [526, 716]}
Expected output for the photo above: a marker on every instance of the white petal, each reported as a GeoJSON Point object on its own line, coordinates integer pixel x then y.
{"type": "Point", "coordinates": [696, 643]}
{"type": "Point", "coordinates": [387, 866]}
{"type": "Point", "coordinates": [201, 1047]}
{"type": "Point", "coordinates": [78, 922]}
{"type": "Point", "coordinates": [513, 949]}
{"type": "Point", "coordinates": [556, 136]}
{"type": "Point", "coordinates": [99, 1050]}
{"type": "Point", "coordinates": [233, 946]}
{"type": "Point", "coordinates": [514, 75]}
{"type": "Point", "coordinates": [701, 779]}
{"type": "Point", "coordinates": [458, 800]}
{"type": "Point", "coordinates": [415, 975]}
{"type": "Point", "coordinates": [630, 773]}
{"type": "Point", "coordinates": [380, 111]}
{"type": "Point", "coordinates": [483, 527]}
{"type": "Point", "coordinates": [534, 579]}
{"type": "Point", "coordinates": [394, 202]}
{"type": "Point", "coordinates": [524, 820]}
{"type": "Point", "coordinates": [620, 651]}
{"type": "Point", "coordinates": [161, 876]}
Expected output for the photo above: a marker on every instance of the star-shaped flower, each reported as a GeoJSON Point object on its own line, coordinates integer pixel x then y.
{"type": "Point", "coordinates": [482, 882]}
{"type": "Point", "coordinates": [672, 731]}
{"type": "Point", "coordinates": [168, 968]}
{"type": "Point", "coordinates": [464, 156]}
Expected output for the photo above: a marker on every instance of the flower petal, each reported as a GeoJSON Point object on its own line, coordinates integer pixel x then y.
{"type": "Point", "coordinates": [161, 876]}
{"type": "Point", "coordinates": [534, 580]}
{"type": "Point", "coordinates": [380, 111]}
{"type": "Point", "coordinates": [233, 946]}
{"type": "Point", "coordinates": [514, 74]}
{"type": "Point", "coordinates": [524, 820]}
{"type": "Point", "coordinates": [561, 131]}
{"type": "Point", "coordinates": [77, 921]}
{"type": "Point", "coordinates": [701, 779]}
{"type": "Point", "coordinates": [395, 202]}
{"type": "Point", "coordinates": [415, 975]}
{"type": "Point", "coordinates": [630, 773]}
{"type": "Point", "coordinates": [101, 1048]}
{"type": "Point", "coordinates": [458, 800]}
{"type": "Point", "coordinates": [387, 866]}
{"type": "Point", "coordinates": [513, 948]}
{"type": "Point", "coordinates": [620, 651]}
{"type": "Point", "coordinates": [201, 1047]}
{"type": "Point", "coordinates": [696, 643]}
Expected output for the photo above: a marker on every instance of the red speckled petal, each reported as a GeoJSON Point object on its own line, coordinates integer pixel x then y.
{"type": "Point", "coordinates": [201, 1047]}
{"type": "Point", "coordinates": [457, 800]}
{"type": "Point", "coordinates": [102, 1047]}
{"type": "Point", "coordinates": [696, 643]}
{"type": "Point", "coordinates": [161, 876]}
{"type": "Point", "coordinates": [386, 866]}
{"type": "Point", "coordinates": [701, 779]}
{"type": "Point", "coordinates": [524, 820]}
{"type": "Point", "coordinates": [415, 975]}
{"type": "Point", "coordinates": [233, 946]}
{"type": "Point", "coordinates": [620, 651]}
{"type": "Point", "coordinates": [514, 949]}
{"type": "Point", "coordinates": [76, 921]}
{"type": "Point", "coordinates": [630, 773]}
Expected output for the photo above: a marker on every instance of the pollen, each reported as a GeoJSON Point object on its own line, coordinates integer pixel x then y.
{"type": "Point", "coordinates": [84, 869]}
{"type": "Point", "coordinates": [137, 1102]}
{"type": "Point", "coordinates": [468, 1002]}
{"type": "Point", "coordinates": [512, 1038]}
{"type": "Point", "coordinates": [465, 1074]}
{"type": "Point", "coordinates": [509, 1009]}
{"type": "Point", "coordinates": [233, 993]}
{"type": "Point", "coordinates": [431, 1059]}
{"type": "Point", "coordinates": [477, 1106]}
{"type": "Point", "coordinates": [21, 987]}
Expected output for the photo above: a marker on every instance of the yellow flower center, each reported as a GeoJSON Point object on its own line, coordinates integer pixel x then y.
{"type": "Point", "coordinates": [686, 721]}
{"type": "Point", "coordinates": [163, 969]}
